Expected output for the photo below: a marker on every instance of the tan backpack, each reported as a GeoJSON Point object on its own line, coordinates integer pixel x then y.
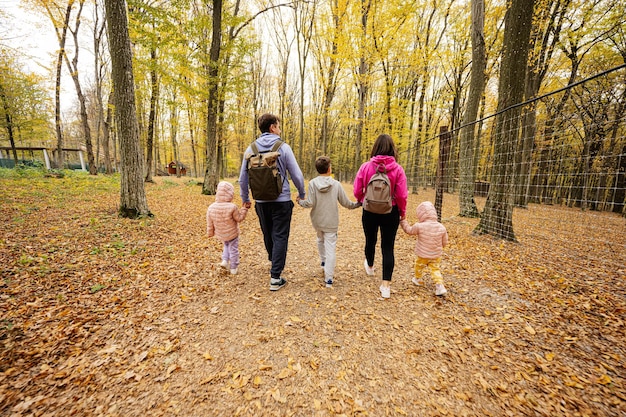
{"type": "Point", "coordinates": [378, 196]}
{"type": "Point", "coordinates": [264, 179]}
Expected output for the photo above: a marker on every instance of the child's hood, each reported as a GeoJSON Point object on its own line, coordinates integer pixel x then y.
{"type": "Point", "coordinates": [225, 192]}
{"type": "Point", "coordinates": [426, 212]}
{"type": "Point", "coordinates": [323, 183]}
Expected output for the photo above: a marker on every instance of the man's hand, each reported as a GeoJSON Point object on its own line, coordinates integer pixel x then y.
{"type": "Point", "coordinates": [247, 204]}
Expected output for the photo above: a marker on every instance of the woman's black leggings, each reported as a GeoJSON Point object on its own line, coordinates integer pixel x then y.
{"type": "Point", "coordinates": [388, 225]}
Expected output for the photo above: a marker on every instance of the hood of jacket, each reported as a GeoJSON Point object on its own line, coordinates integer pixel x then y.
{"type": "Point", "coordinates": [266, 140]}
{"type": "Point", "coordinates": [323, 184]}
{"type": "Point", "coordinates": [388, 161]}
{"type": "Point", "coordinates": [426, 212]}
{"type": "Point", "coordinates": [225, 192]}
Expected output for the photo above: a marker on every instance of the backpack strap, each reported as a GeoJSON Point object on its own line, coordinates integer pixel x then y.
{"type": "Point", "coordinates": [277, 145]}
{"type": "Point", "coordinates": [384, 170]}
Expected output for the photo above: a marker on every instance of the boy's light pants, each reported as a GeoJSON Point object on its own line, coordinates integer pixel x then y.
{"type": "Point", "coordinates": [433, 264]}
{"type": "Point", "coordinates": [326, 246]}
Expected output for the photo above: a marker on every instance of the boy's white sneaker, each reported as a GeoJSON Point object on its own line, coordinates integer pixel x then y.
{"type": "Point", "coordinates": [369, 270]}
{"type": "Point", "coordinates": [440, 290]}
{"type": "Point", "coordinates": [233, 271]}
{"type": "Point", "coordinates": [385, 292]}
{"type": "Point", "coordinates": [224, 264]}
{"type": "Point", "coordinates": [417, 282]}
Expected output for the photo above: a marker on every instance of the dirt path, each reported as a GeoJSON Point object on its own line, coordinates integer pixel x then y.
{"type": "Point", "coordinates": [103, 316]}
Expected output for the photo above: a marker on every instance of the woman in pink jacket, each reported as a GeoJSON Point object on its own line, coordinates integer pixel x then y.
{"type": "Point", "coordinates": [432, 237]}
{"type": "Point", "coordinates": [383, 153]}
{"type": "Point", "coordinates": [222, 221]}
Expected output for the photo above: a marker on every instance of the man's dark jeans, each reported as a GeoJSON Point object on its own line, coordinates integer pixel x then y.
{"type": "Point", "coordinates": [275, 220]}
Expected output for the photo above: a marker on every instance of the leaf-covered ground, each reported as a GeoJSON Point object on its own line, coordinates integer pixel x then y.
{"type": "Point", "coordinates": [105, 316]}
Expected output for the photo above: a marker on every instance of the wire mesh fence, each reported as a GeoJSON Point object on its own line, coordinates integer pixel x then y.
{"type": "Point", "coordinates": [560, 157]}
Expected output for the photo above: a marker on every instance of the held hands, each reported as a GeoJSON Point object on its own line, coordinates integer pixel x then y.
{"type": "Point", "coordinates": [247, 204]}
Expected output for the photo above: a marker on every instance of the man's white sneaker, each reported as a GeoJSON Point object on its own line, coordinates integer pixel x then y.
{"type": "Point", "coordinates": [417, 282]}
{"type": "Point", "coordinates": [369, 270]}
{"type": "Point", "coordinates": [440, 290]}
{"type": "Point", "coordinates": [385, 292]}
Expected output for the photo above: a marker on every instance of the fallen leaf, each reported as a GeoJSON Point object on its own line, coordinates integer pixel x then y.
{"type": "Point", "coordinates": [284, 373]}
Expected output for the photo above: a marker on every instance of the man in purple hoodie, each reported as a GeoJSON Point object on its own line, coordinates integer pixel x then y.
{"type": "Point", "coordinates": [274, 215]}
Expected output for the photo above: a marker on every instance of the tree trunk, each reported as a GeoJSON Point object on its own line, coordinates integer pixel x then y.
{"type": "Point", "coordinates": [331, 85]}
{"type": "Point", "coordinates": [57, 92]}
{"type": "Point", "coordinates": [211, 174]}
{"type": "Point", "coordinates": [619, 196]}
{"type": "Point", "coordinates": [467, 141]}
{"type": "Point", "coordinates": [545, 36]}
{"type": "Point", "coordinates": [190, 119]}
{"type": "Point", "coordinates": [73, 69]}
{"type": "Point", "coordinates": [98, 30]}
{"type": "Point", "coordinates": [154, 98]}
{"type": "Point", "coordinates": [8, 121]}
{"type": "Point", "coordinates": [362, 86]}
{"type": "Point", "coordinates": [445, 138]}
{"type": "Point", "coordinates": [133, 202]}
{"type": "Point", "coordinates": [106, 135]}
{"type": "Point", "coordinates": [497, 219]}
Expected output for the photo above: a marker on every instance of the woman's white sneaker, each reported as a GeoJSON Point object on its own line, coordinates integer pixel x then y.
{"type": "Point", "coordinates": [385, 292]}
{"type": "Point", "coordinates": [369, 270]}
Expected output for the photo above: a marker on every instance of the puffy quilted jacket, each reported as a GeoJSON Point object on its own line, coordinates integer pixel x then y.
{"type": "Point", "coordinates": [223, 216]}
{"type": "Point", "coordinates": [432, 236]}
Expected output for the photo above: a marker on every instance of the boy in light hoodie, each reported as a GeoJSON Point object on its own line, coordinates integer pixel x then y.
{"type": "Point", "coordinates": [432, 237]}
{"type": "Point", "coordinates": [324, 193]}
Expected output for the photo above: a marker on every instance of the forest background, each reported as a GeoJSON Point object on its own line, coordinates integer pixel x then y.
{"type": "Point", "coordinates": [338, 73]}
